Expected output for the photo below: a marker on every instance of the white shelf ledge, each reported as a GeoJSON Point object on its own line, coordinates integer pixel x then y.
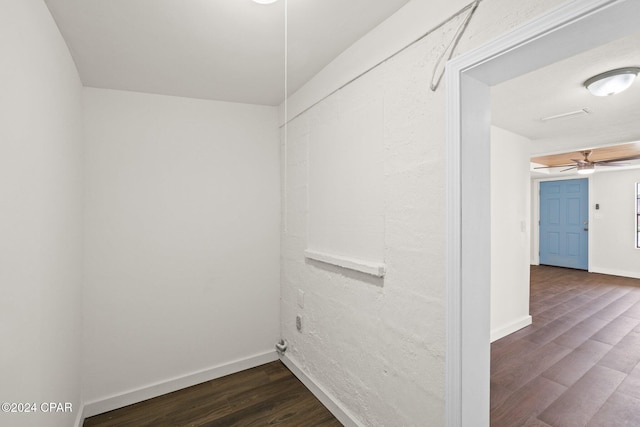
{"type": "Point", "coordinates": [376, 269]}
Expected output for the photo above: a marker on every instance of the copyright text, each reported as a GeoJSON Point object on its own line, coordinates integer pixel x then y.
{"type": "Point", "coordinates": [32, 407]}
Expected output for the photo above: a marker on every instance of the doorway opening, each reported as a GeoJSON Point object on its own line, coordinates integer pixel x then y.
{"type": "Point", "coordinates": [567, 31]}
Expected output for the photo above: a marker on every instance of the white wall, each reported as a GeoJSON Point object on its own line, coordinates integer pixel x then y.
{"type": "Point", "coordinates": [377, 346]}
{"type": "Point", "coordinates": [612, 227]}
{"type": "Point", "coordinates": [345, 180]}
{"type": "Point", "coordinates": [510, 225]}
{"type": "Point", "coordinates": [182, 244]}
{"type": "Point", "coordinates": [40, 215]}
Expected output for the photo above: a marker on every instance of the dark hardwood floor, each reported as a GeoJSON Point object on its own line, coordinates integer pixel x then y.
{"type": "Point", "coordinates": [268, 395]}
{"type": "Point", "coordinates": [578, 363]}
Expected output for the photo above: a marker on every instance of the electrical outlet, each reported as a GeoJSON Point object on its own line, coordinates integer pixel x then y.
{"type": "Point", "coordinates": [299, 323]}
{"type": "Point", "coordinates": [300, 298]}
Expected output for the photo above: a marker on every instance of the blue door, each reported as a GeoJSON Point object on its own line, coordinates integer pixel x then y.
{"type": "Point", "coordinates": [564, 223]}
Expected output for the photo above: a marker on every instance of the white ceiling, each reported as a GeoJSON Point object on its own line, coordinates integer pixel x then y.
{"type": "Point", "coordinates": [233, 50]}
{"type": "Point", "coordinates": [519, 104]}
{"type": "Point", "coordinates": [230, 50]}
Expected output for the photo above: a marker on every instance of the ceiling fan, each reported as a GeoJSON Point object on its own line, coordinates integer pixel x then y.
{"type": "Point", "coordinates": [586, 166]}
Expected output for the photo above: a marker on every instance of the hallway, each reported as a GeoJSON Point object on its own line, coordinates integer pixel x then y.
{"type": "Point", "coordinates": [577, 364]}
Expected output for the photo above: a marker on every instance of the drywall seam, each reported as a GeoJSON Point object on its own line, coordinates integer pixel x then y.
{"type": "Point", "coordinates": [338, 411]}
{"type": "Point", "coordinates": [154, 390]}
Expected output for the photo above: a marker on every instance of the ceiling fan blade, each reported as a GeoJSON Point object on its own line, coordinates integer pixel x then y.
{"type": "Point", "coordinates": [554, 166]}
{"type": "Point", "coordinates": [622, 159]}
{"type": "Point", "coordinates": [581, 161]}
{"type": "Point", "coordinates": [568, 169]}
{"type": "Point", "coordinates": [611, 164]}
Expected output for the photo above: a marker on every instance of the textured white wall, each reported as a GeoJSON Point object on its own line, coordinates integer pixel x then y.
{"type": "Point", "coordinates": [182, 237]}
{"type": "Point", "coordinates": [510, 224]}
{"type": "Point", "coordinates": [40, 215]}
{"type": "Point", "coordinates": [612, 239]}
{"type": "Point", "coordinates": [378, 345]}
{"type": "Point", "coordinates": [346, 179]}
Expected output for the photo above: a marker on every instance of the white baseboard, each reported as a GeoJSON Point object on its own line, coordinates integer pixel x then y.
{"type": "Point", "coordinates": [120, 400]}
{"type": "Point", "coordinates": [335, 407]}
{"type": "Point", "coordinates": [510, 328]}
{"type": "Point", "coordinates": [614, 272]}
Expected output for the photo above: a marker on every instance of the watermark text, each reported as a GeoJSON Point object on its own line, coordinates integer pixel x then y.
{"type": "Point", "coordinates": [32, 407]}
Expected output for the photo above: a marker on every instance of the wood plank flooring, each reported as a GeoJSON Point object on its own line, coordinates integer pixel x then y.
{"type": "Point", "coordinates": [578, 363]}
{"type": "Point", "coordinates": [268, 395]}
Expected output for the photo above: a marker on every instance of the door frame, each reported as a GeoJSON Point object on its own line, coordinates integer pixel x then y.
{"type": "Point", "coordinates": [535, 211]}
{"type": "Point", "coordinates": [572, 28]}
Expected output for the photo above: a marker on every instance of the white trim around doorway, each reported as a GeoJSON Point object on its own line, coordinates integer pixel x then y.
{"type": "Point", "coordinates": [573, 28]}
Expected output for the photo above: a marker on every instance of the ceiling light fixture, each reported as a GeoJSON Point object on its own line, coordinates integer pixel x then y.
{"type": "Point", "coordinates": [586, 168]}
{"type": "Point", "coordinates": [265, 1]}
{"type": "Point", "coordinates": [612, 82]}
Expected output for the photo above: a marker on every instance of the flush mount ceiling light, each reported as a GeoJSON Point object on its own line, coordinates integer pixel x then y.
{"type": "Point", "coordinates": [612, 82]}
{"type": "Point", "coordinates": [265, 1]}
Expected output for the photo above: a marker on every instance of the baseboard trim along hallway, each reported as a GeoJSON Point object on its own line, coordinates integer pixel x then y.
{"type": "Point", "coordinates": [512, 327]}
{"type": "Point", "coordinates": [158, 389]}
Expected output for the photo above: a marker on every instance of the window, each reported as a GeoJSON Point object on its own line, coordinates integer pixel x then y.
{"type": "Point", "coordinates": [638, 215]}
